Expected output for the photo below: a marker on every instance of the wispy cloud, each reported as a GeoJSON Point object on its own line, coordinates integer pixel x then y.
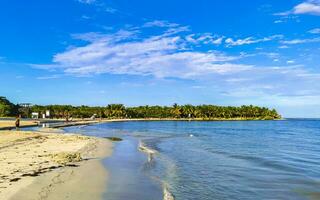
{"type": "Point", "coordinates": [55, 76]}
{"type": "Point", "coordinates": [311, 7]}
{"type": "Point", "coordinates": [100, 6]}
{"type": "Point", "coordinates": [87, 1]}
{"type": "Point", "coordinates": [160, 23]}
{"type": "Point", "coordinates": [283, 47]}
{"type": "Point", "coordinates": [301, 41]}
{"type": "Point", "coordinates": [315, 31]}
{"type": "Point", "coordinates": [278, 21]}
{"type": "Point", "coordinates": [250, 40]}
{"type": "Point", "coordinates": [290, 61]}
{"type": "Point", "coordinates": [206, 38]}
{"type": "Point", "coordinates": [162, 55]}
{"type": "Point", "coordinates": [111, 10]}
{"type": "Point", "coordinates": [174, 54]}
{"type": "Point", "coordinates": [86, 17]}
{"type": "Point", "coordinates": [157, 56]}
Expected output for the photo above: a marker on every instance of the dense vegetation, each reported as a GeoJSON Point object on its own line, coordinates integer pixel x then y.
{"type": "Point", "coordinates": [176, 111]}
{"type": "Point", "coordinates": [7, 108]}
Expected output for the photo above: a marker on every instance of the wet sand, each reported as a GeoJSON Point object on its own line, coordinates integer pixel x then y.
{"type": "Point", "coordinates": [48, 165]}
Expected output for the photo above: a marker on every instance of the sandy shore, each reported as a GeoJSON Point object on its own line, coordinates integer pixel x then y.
{"type": "Point", "coordinates": [48, 165]}
{"type": "Point", "coordinates": [11, 123]}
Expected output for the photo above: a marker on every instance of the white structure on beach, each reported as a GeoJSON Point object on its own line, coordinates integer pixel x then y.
{"type": "Point", "coordinates": [35, 115]}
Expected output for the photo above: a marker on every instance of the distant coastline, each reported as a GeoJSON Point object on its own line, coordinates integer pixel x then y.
{"type": "Point", "coordinates": [185, 112]}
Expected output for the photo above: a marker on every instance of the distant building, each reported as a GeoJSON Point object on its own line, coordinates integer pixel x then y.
{"type": "Point", "coordinates": [48, 113]}
{"type": "Point", "coordinates": [35, 115]}
{"type": "Point", "coordinates": [93, 117]}
{"type": "Point", "coordinates": [25, 105]}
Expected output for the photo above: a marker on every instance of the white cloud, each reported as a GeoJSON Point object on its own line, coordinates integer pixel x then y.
{"type": "Point", "coordinates": [290, 61]}
{"type": "Point", "coordinates": [206, 38]}
{"type": "Point", "coordinates": [175, 30]}
{"type": "Point", "coordinates": [111, 10]}
{"type": "Point", "coordinates": [271, 55]}
{"type": "Point", "coordinates": [55, 76]}
{"type": "Point", "coordinates": [160, 23]}
{"type": "Point", "coordinates": [311, 7]}
{"type": "Point", "coordinates": [237, 80]}
{"type": "Point", "coordinates": [100, 5]}
{"type": "Point", "coordinates": [278, 21]}
{"type": "Point", "coordinates": [87, 1]}
{"type": "Point", "coordinates": [172, 54]}
{"type": "Point", "coordinates": [283, 47]}
{"type": "Point", "coordinates": [157, 56]}
{"type": "Point", "coordinates": [315, 31]}
{"type": "Point", "coordinates": [250, 40]}
{"type": "Point", "coordinates": [301, 41]}
{"type": "Point", "coordinates": [85, 17]}
{"type": "Point", "coordinates": [198, 87]}
{"type": "Point", "coordinates": [279, 82]}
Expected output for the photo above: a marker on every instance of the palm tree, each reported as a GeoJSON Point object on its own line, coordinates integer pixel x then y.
{"type": "Point", "coordinates": [176, 110]}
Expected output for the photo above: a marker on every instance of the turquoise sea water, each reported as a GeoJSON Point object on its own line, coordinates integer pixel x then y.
{"type": "Point", "coordinates": [213, 160]}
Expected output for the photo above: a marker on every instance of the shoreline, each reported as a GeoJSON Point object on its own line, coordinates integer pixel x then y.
{"type": "Point", "coordinates": [188, 119]}
{"type": "Point", "coordinates": [88, 122]}
{"type": "Point", "coordinates": [53, 180]}
{"type": "Point", "coordinates": [9, 124]}
{"type": "Point", "coordinates": [46, 165]}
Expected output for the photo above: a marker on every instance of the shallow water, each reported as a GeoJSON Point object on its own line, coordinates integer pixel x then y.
{"type": "Point", "coordinates": [215, 160]}
{"type": "Point", "coordinates": [127, 179]}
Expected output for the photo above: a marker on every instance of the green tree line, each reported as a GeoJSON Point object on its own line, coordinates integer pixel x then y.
{"type": "Point", "coordinates": [118, 111]}
{"type": "Point", "coordinates": [7, 108]}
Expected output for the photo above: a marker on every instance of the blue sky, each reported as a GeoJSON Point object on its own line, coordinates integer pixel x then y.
{"type": "Point", "coordinates": [96, 52]}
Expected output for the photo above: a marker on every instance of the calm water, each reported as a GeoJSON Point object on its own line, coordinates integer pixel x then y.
{"type": "Point", "coordinates": [214, 160]}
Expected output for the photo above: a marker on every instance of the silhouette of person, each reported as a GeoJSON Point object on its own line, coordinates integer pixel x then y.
{"type": "Point", "coordinates": [17, 123]}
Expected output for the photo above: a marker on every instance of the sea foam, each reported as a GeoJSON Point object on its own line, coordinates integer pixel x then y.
{"type": "Point", "coordinates": [147, 150]}
{"type": "Point", "coordinates": [167, 195]}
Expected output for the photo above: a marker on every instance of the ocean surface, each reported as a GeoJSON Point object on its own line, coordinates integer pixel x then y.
{"type": "Point", "coordinates": [213, 160]}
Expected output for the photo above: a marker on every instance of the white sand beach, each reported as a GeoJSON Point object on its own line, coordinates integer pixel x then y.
{"type": "Point", "coordinates": [51, 165]}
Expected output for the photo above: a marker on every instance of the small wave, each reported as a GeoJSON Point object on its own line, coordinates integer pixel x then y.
{"type": "Point", "coordinates": [167, 195]}
{"type": "Point", "coordinates": [264, 162]}
{"type": "Point", "coordinates": [80, 127]}
{"type": "Point", "coordinates": [147, 150]}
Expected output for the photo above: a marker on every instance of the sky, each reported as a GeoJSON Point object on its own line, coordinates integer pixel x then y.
{"type": "Point", "coordinates": [222, 52]}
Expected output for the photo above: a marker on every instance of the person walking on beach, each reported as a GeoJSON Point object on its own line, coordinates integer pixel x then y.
{"type": "Point", "coordinates": [17, 123]}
